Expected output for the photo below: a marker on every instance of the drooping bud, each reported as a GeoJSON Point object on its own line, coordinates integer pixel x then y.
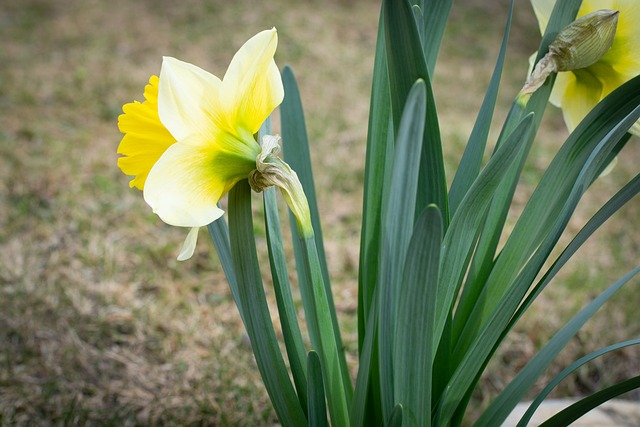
{"type": "Point", "coordinates": [272, 171]}
{"type": "Point", "coordinates": [581, 44]}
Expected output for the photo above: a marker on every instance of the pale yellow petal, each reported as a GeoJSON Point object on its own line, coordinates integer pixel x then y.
{"type": "Point", "coordinates": [189, 245]}
{"type": "Point", "coordinates": [559, 87]}
{"type": "Point", "coordinates": [624, 55]}
{"type": "Point", "coordinates": [182, 187]}
{"type": "Point", "coordinates": [252, 87]}
{"type": "Point", "coordinates": [582, 93]}
{"type": "Point", "coordinates": [188, 100]}
{"type": "Point", "coordinates": [543, 9]}
{"type": "Point", "coordinates": [145, 137]}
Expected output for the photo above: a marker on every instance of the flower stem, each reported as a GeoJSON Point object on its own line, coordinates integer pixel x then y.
{"type": "Point", "coordinates": [323, 336]}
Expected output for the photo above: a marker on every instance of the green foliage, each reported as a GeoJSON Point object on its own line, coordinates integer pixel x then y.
{"type": "Point", "coordinates": [437, 294]}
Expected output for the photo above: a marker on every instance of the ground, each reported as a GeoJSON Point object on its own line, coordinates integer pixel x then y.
{"type": "Point", "coordinates": [99, 324]}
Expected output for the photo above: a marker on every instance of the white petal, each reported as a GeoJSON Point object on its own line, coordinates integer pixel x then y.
{"type": "Point", "coordinates": [189, 245]}
{"type": "Point", "coordinates": [182, 188]}
{"type": "Point", "coordinates": [252, 86]}
{"type": "Point", "coordinates": [543, 9]}
{"type": "Point", "coordinates": [188, 98]}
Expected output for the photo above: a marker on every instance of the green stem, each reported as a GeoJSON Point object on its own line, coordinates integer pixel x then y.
{"type": "Point", "coordinates": [323, 337]}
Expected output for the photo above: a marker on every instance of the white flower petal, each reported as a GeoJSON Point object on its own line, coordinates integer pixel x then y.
{"type": "Point", "coordinates": [189, 245]}
{"type": "Point", "coordinates": [188, 98]}
{"type": "Point", "coordinates": [252, 86]}
{"type": "Point", "coordinates": [182, 188]}
{"type": "Point", "coordinates": [543, 9]}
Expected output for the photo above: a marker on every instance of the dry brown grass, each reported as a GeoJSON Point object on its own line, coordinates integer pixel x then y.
{"type": "Point", "coordinates": [98, 322]}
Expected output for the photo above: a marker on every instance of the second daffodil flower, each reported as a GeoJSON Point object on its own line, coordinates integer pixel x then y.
{"type": "Point", "coordinates": [576, 92]}
{"type": "Point", "coordinates": [192, 139]}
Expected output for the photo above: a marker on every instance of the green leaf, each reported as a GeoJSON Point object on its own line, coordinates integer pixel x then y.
{"type": "Point", "coordinates": [295, 148]}
{"type": "Point", "coordinates": [395, 419]}
{"type": "Point", "coordinates": [459, 239]}
{"type": "Point", "coordinates": [219, 232]}
{"type": "Point", "coordinates": [317, 407]}
{"type": "Point", "coordinates": [379, 141]}
{"type": "Point", "coordinates": [257, 317]}
{"type": "Point", "coordinates": [413, 354]}
{"type": "Point", "coordinates": [406, 64]}
{"type": "Point", "coordinates": [469, 166]}
{"type": "Point", "coordinates": [475, 356]}
{"type": "Point", "coordinates": [623, 196]}
{"type": "Point", "coordinates": [296, 153]}
{"type": "Point", "coordinates": [608, 121]}
{"type": "Point", "coordinates": [435, 15]}
{"type": "Point", "coordinates": [482, 264]}
{"type": "Point", "coordinates": [565, 373]}
{"type": "Point", "coordinates": [282, 289]}
{"type": "Point", "coordinates": [578, 409]}
{"type": "Point", "coordinates": [366, 368]}
{"type": "Point", "coordinates": [398, 220]}
{"type": "Point", "coordinates": [322, 334]}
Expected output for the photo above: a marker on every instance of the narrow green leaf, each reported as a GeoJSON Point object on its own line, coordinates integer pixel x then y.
{"type": "Point", "coordinates": [565, 373]}
{"type": "Point", "coordinates": [406, 64]}
{"type": "Point", "coordinates": [296, 153]}
{"type": "Point", "coordinates": [323, 339]}
{"type": "Point", "coordinates": [257, 318]}
{"type": "Point", "coordinates": [630, 190]}
{"type": "Point", "coordinates": [282, 289]}
{"type": "Point", "coordinates": [502, 406]}
{"type": "Point", "coordinates": [482, 264]}
{"type": "Point", "coordinates": [475, 356]}
{"type": "Point", "coordinates": [413, 354]}
{"type": "Point", "coordinates": [608, 121]}
{"type": "Point", "coordinates": [435, 15]}
{"type": "Point", "coordinates": [219, 232]}
{"type": "Point", "coordinates": [578, 409]}
{"type": "Point", "coordinates": [317, 407]}
{"type": "Point", "coordinates": [295, 148]}
{"type": "Point", "coordinates": [395, 419]}
{"type": "Point", "coordinates": [366, 368]}
{"type": "Point", "coordinates": [469, 166]}
{"type": "Point", "coordinates": [379, 140]}
{"type": "Point", "coordinates": [460, 237]}
{"type": "Point", "coordinates": [398, 221]}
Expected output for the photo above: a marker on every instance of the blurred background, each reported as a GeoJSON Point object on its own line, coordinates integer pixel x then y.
{"type": "Point", "coordinates": [99, 324]}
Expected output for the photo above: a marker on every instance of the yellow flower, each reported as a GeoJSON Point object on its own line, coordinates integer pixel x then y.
{"type": "Point", "coordinates": [577, 92]}
{"type": "Point", "coordinates": [192, 139]}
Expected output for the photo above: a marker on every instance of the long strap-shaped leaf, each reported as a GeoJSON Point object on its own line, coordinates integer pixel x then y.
{"type": "Point", "coordinates": [565, 373]}
{"type": "Point", "coordinates": [413, 351]}
{"type": "Point", "coordinates": [578, 409]}
{"type": "Point", "coordinates": [471, 160]}
{"type": "Point", "coordinates": [406, 64]}
{"type": "Point", "coordinates": [551, 194]}
{"type": "Point", "coordinates": [613, 205]}
{"type": "Point", "coordinates": [460, 237]}
{"type": "Point", "coordinates": [282, 287]}
{"type": "Point", "coordinates": [474, 357]}
{"type": "Point", "coordinates": [257, 318]}
{"type": "Point", "coordinates": [398, 220]}
{"type": "Point", "coordinates": [502, 406]}
{"type": "Point", "coordinates": [296, 153]}
{"type": "Point", "coordinates": [219, 232]}
{"type": "Point", "coordinates": [379, 140]}
{"type": "Point", "coordinates": [317, 407]}
{"type": "Point", "coordinates": [483, 260]}
{"type": "Point", "coordinates": [434, 17]}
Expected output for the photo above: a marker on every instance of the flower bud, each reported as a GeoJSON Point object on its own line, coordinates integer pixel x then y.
{"type": "Point", "coordinates": [272, 171]}
{"type": "Point", "coordinates": [585, 41]}
{"type": "Point", "coordinates": [581, 44]}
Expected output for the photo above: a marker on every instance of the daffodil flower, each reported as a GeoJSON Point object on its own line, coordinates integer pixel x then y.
{"type": "Point", "coordinates": [577, 92]}
{"type": "Point", "coordinates": [192, 139]}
